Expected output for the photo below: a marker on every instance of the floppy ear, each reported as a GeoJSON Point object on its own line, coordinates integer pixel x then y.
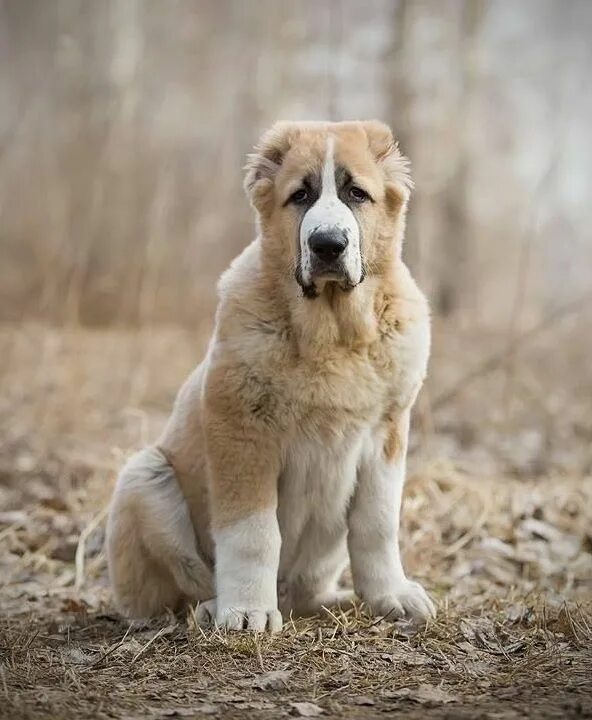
{"type": "Point", "coordinates": [395, 166]}
{"type": "Point", "coordinates": [263, 164]}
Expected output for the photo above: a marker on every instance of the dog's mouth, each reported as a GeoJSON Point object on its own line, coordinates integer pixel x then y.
{"type": "Point", "coordinates": [329, 255]}
{"type": "Point", "coordinates": [321, 274]}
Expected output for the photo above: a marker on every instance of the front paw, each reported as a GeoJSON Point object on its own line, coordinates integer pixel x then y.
{"type": "Point", "coordinates": [256, 619]}
{"type": "Point", "coordinates": [406, 598]}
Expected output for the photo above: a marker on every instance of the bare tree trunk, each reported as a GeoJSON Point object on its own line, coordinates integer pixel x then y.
{"type": "Point", "coordinates": [434, 106]}
{"type": "Point", "coordinates": [455, 286]}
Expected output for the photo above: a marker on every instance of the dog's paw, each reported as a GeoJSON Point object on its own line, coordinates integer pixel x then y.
{"type": "Point", "coordinates": [406, 599]}
{"type": "Point", "coordinates": [205, 612]}
{"type": "Point", "coordinates": [256, 620]}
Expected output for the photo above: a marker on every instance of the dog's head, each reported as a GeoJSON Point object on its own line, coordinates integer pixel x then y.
{"type": "Point", "coordinates": [330, 198]}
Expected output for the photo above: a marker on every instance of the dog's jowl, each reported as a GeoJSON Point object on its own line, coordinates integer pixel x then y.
{"type": "Point", "coordinates": [284, 456]}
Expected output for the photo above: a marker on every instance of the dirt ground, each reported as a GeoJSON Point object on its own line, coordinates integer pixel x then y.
{"type": "Point", "coordinates": [497, 524]}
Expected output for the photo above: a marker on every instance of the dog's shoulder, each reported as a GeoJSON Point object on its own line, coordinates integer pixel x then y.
{"type": "Point", "coordinates": [249, 310]}
{"type": "Point", "coordinates": [402, 350]}
{"type": "Point", "coordinates": [242, 272]}
{"type": "Point", "coordinates": [249, 345]}
{"type": "Point", "coordinates": [400, 306]}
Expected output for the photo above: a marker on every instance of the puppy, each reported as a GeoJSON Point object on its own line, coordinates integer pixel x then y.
{"type": "Point", "coordinates": [285, 452]}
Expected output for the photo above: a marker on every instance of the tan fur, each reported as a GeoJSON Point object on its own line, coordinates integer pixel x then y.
{"type": "Point", "coordinates": [281, 367]}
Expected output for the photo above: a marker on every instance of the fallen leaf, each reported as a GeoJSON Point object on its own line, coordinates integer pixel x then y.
{"type": "Point", "coordinates": [54, 503]}
{"type": "Point", "coordinates": [200, 709]}
{"type": "Point", "coordinates": [306, 709]}
{"type": "Point", "coordinates": [75, 656]}
{"type": "Point", "coordinates": [495, 546]}
{"type": "Point", "coordinates": [540, 529]}
{"type": "Point", "coordinates": [13, 517]}
{"type": "Point", "coordinates": [475, 668]}
{"type": "Point", "coordinates": [273, 680]}
{"type": "Point", "coordinates": [228, 698]}
{"type": "Point", "coordinates": [481, 633]}
{"type": "Point", "coordinates": [518, 613]}
{"type": "Point", "coordinates": [406, 657]}
{"type": "Point", "coordinates": [424, 694]}
{"type": "Point", "coordinates": [65, 550]}
{"type": "Point", "coordinates": [255, 705]}
{"type": "Point", "coordinates": [73, 605]}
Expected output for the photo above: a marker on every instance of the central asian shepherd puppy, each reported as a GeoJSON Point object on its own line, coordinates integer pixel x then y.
{"type": "Point", "coordinates": [285, 452]}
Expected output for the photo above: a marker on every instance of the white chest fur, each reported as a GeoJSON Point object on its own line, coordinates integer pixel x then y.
{"type": "Point", "coordinates": [315, 488]}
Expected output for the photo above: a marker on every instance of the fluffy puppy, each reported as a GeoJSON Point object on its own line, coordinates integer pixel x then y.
{"type": "Point", "coordinates": [285, 452]}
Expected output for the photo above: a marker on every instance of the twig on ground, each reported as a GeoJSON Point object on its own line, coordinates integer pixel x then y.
{"type": "Point", "coordinates": [81, 547]}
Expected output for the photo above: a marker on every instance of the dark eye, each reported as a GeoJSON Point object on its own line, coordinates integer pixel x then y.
{"type": "Point", "coordinates": [299, 197]}
{"type": "Point", "coordinates": [356, 193]}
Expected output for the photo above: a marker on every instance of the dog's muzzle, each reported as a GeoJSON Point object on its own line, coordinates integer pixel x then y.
{"type": "Point", "coordinates": [327, 248]}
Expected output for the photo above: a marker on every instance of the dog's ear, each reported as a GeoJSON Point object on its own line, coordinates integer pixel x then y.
{"type": "Point", "coordinates": [395, 166]}
{"type": "Point", "coordinates": [264, 162]}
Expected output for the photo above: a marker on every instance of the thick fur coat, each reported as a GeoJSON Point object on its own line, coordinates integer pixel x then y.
{"type": "Point", "coordinates": [284, 456]}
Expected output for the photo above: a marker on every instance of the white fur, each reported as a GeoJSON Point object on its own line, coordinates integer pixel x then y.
{"type": "Point", "coordinates": [162, 555]}
{"type": "Point", "coordinates": [333, 496]}
{"type": "Point", "coordinates": [373, 540]}
{"type": "Point", "coordinates": [336, 490]}
{"type": "Point", "coordinates": [319, 484]}
{"type": "Point", "coordinates": [247, 559]}
{"type": "Point", "coordinates": [315, 486]}
{"type": "Point", "coordinates": [335, 493]}
{"type": "Point", "coordinates": [330, 213]}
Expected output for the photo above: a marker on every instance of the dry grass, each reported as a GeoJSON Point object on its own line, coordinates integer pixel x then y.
{"type": "Point", "coordinates": [86, 664]}
{"type": "Point", "coordinates": [505, 546]}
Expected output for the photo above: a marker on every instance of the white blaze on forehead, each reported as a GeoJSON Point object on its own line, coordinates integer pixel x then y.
{"type": "Point", "coordinates": [328, 181]}
{"type": "Point", "coordinates": [329, 213]}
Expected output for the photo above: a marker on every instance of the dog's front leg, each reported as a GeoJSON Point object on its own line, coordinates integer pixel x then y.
{"type": "Point", "coordinates": [243, 471]}
{"type": "Point", "coordinates": [373, 537]}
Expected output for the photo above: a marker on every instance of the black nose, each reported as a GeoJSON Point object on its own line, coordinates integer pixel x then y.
{"type": "Point", "coordinates": [328, 245]}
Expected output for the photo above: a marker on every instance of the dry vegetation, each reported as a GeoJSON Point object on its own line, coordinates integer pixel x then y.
{"type": "Point", "coordinates": [498, 532]}
{"type": "Point", "coordinates": [123, 127]}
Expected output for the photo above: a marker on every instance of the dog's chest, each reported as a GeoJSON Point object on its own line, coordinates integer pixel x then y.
{"type": "Point", "coordinates": [351, 390]}
{"type": "Point", "coordinates": [315, 485]}
{"type": "Point", "coordinates": [327, 392]}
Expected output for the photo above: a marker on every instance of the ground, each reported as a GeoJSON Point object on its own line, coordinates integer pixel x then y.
{"type": "Point", "coordinates": [503, 541]}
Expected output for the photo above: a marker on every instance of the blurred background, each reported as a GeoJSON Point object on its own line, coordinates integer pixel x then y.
{"type": "Point", "coordinates": [124, 126]}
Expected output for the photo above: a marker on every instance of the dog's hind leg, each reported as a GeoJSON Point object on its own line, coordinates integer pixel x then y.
{"type": "Point", "coordinates": [153, 558]}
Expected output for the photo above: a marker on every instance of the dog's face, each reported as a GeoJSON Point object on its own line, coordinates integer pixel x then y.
{"type": "Point", "coordinates": [329, 196]}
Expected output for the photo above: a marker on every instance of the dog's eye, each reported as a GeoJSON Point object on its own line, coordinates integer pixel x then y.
{"type": "Point", "coordinates": [357, 194]}
{"type": "Point", "coordinates": [299, 197]}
